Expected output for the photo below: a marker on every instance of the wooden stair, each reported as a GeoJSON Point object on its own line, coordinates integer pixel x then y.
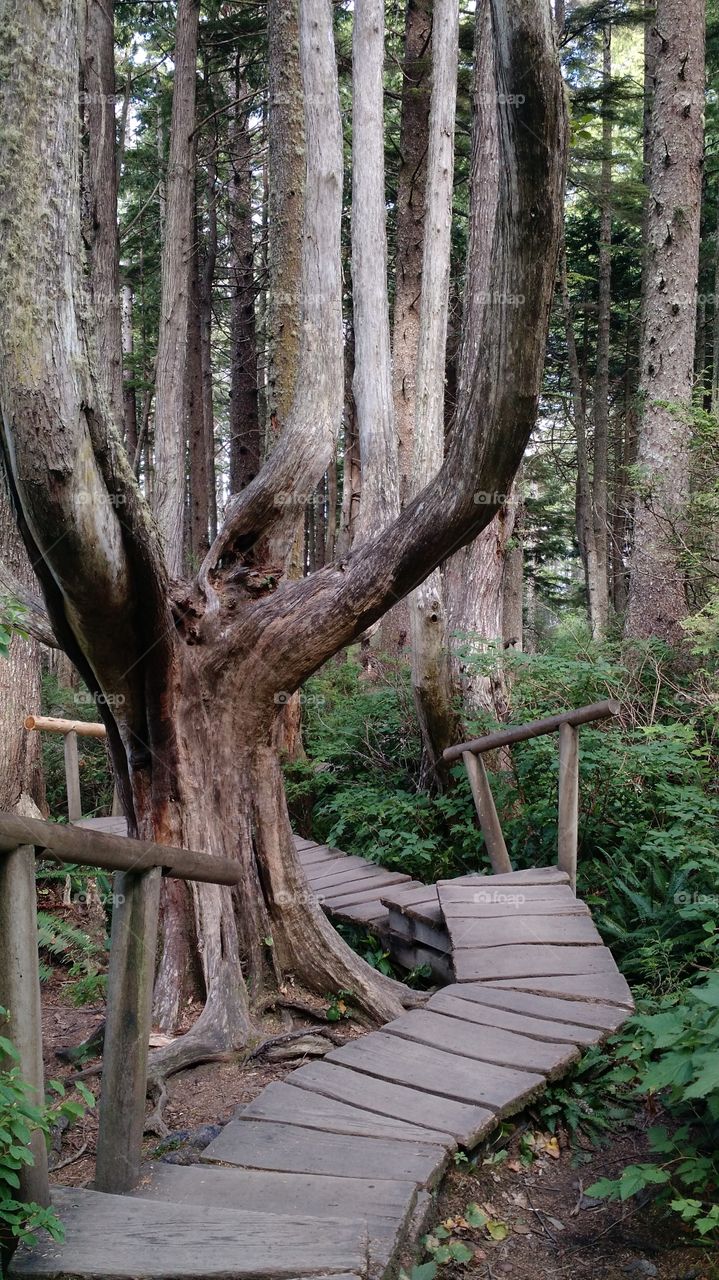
{"type": "Point", "coordinates": [331, 1172]}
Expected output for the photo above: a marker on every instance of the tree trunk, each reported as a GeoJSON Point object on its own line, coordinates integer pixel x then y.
{"type": "Point", "coordinates": [195, 411]}
{"type": "Point", "coordinates": [657, 599]}
{"type": "Point", "coordinates": [245, 443]}
{"type": "Point", "coordinates": [170, 416]}
{"type": "Point", "coordinates": [21, 775]}
{"type": "Point", "coordinates": [431, 671]}
{"type": "Point", "coordinates": [206, 282]}
{"type": "Point", "coordinates": [128, 378]}
{"type": "Point", "coordinates": [379, 501]}
{"type": "Point", "coordinates": [411, 182]}
{"type": "Point", "coordinates": [599, 596]}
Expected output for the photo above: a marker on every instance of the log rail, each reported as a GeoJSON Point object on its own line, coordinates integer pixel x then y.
{"type": "Point", "coordinates": [566, 724]}
{"type": "Point", "coordinates": [139, 868]}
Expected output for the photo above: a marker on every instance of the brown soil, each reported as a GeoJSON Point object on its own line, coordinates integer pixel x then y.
{"type": "Point", "coordinates": [553, 1230]}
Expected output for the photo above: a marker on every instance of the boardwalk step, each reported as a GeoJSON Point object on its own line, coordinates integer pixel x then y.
{"type": "Point", "coordinates": [503, 997]}
{"type": "Point", "coordinates": [125, 1238]}
{"type": "Point", "coordinates": [498, 1089]}
{"type": "Point", "coordinates": [487, 1044]}
{"type": "Point", "coordinates": [284, 1103]}
{"type": "Point", "coordinates": [459, 1120]}
{"type": "Point", "coordinates": [607, 988]}
{"type": "Point", "coordinates": [265, 1144]}
{"type": "Point", "coordinates": [484, 1015]}
{"type": "Point", "coordinates": [511, 931]}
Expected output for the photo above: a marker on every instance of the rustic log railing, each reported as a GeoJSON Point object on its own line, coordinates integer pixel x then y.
{"type": "Point", "coordinates": [567, 725]}
{"type": "Point", "coordinates": [139, 868]}
{"type": "Point", "coordinates": [71, 730]}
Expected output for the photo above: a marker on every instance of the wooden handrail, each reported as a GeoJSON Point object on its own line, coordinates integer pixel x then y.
{"type": "Point", "coordinates": [93, 848]}
{"type": "Point", "coordinates": [520, 733]}
{"type": "Point", "coordinates": [133, 948]}
{"type": "Point", "coordinates": [53, 724]}
{"type": "Point", "coordinates": [70, 730]}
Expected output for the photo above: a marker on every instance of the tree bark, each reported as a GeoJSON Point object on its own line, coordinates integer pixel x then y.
{"type": "Point", "coordinates": [245, 442]}
{"type": "Point", "coordinates": [207, 249]}
{"type": "Point", "coordinates": [431, 671]}
{"type": "Point", "coordinates": [657, 599]}
{"type": "Point", "coordinates": [170, 415]}
{"type": "Point", "coordinates": [21, 774]}
{"type": "Point", "coordinates": [379, 500]}
{"type": "Point", "coordinates": [599, 595]}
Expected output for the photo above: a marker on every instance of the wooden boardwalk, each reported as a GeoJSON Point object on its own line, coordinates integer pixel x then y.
{"type": "Point", "coordinates": [331, 1173]}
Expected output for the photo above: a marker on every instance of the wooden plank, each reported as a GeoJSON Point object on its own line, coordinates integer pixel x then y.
{"type": "Point", "coordinates": [133, 944]}
{"type": "Point", "coordinates": [371, 913]}
{"type": "Point", "coordinates": [128, 1238]}
{"type": "Point", "coordinates": [498, 909]}
{"type": "Point", "coordinates": [487, 812]}
{"type": "Point", "coordinates": [605, 988]}
{"type": "Point", "coordinates": [568, 832]}
{"type": "Point", "coordinates": [527, 961]}
{"type": "Point", "coordinates": [500, 1089]}
{"type": "Point", "coordinates": [374, 885]}
{"type": "Point", "coordinates": [458, 1120]}
{"type": "Point", "coordinates": [92, 848]}
{"type": "Point", "coordinates": [410, 954]}
{"type": "Point", "coordinates": [348, 868]}
{"type": "Point", "coordinates": [72, 776]}
{"type": "Point", "coordinates": [302, 843]}
{"type": "Point", "coordinates": [114, 826]}
{"type": "Point", "coordinates": [485, 1043]}
{"type": "Point", "coordinates": [350, 876]}
{"type": "Point", "coordinates": [491, 1016]}
{"type": "Point", "coordinates": [509, 931]}
{"type": "Point", "coordinates": [483, 891]}
{"type": "Point", "coordinates": [383, 1204]}
{"type": "Point", "coordinates": [20, 995]}
{"type": "Point", "coordinates": [264, 1144]}
{"type": "Point", "coordinates": [281, 1102]}
{"type": "Point", "coordinates": [580, 1013]}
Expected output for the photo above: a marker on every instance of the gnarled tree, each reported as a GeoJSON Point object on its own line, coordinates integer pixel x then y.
{"type": "Point", "coordinates": [192, 670]}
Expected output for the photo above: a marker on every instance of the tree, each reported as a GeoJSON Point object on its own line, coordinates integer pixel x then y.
{"type": "Point", "coordinates": [194, 672]}
{"type": "Point", "coordinates": [657, 598]}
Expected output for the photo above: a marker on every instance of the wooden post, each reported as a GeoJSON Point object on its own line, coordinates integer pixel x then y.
{"type": "Point", "coordinates": [487, 813]}
{"type": "Point", "coordinates": [133, 944]}
{"type": "Point", "coordinates": [72, 777]}
{"type": "Point", "coordinates": [568, 800]}
{"type": "Point", "coordinates": [20, 995]}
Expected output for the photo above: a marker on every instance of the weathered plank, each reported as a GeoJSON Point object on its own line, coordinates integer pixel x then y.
{"type": "Point", "coordinates": [114, 826]}
{"type": "Point", "coordinates": [385, 1206]}
{"type": "Point", "coordinates": [485, 1043]}
{"type": "Point", "coordinates": [531, 900]}
{"type": "Point", "coordinates": [607, 988]}
{"type": "Point", "coordinates": [466, 1123]}
{"type": "Point", "coordinates": [281, 1102]}
{"type": "Point", "coordinates": [370, 890]}
{"type": "Point", "coordinates": [527, 961]}
{"type": "Point", "coordinates": [500, 1089]}
{"type": "Point", "coordinates": [568, 827]}
{"type": "Point", "coordinates": [578, 1012]}
{"type": "Point", "coordinates": [508, 931]}
{"type": "Point", "coordinates": [264, 1144]}
{"type": "Point", "coordinates": [530, 875]}
{"type": "Point", "coordinates": [72, 776]}
{"type": "Point", "coordinates": [124, 1238]}
{"type": "Point", "coordinates": [348, 868]}
{"type": "Point", "coordinates": [470, 896]}
{"type": "Point", "coordinates": [494, 1016]}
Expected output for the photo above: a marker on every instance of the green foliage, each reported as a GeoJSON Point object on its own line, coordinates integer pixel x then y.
{"type": "Point", "coordinates": [20, 1119]}
{"type": "Point", "coordinates": [673, 1053]}
{"type": "Point", "coordinates": [12, 616]}
{"type": "Point", "coordinates": [71, 946]}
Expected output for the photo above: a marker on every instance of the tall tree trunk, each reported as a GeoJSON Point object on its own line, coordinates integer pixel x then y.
{"type": "Point", "coordinates": [98, 70]}
{"type": "Point", "coordinates": [411, 183]}
{"type": "Point", "coordinates": [206, 282]}
{"type": "Point", "coordinates": [657, 600]}
{"type": "Point", "coordinates": [431, 670]}
{"type": "Point", "coordinates": [599, 595]}
{"type": "Point", "coordinates": [245, 442]}
{"type": "Point", "coordinates": [21, 775]}
{"type": "Point", "coordinates": [195, 407]}
{"type": "Point", "coordinates": [379, 501]}
{"type": "Point", "coordinates": [129, 398]}
{"type": "Point", "coordinates": [351, 474]}
{"type": "Point", "coordinates": [170, 415]}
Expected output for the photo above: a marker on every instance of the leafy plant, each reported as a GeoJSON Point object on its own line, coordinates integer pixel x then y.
{"type": "Point", "coordinates": [20, 1119]}
{"type": "Point", "coordinates": [675, 1056]}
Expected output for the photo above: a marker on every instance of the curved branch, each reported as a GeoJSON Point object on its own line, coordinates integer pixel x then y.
{"type": "Point", "coordinates": [36, 621]}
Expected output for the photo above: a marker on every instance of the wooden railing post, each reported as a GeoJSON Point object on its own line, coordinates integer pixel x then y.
{"type": "Point", "coordinates": [487, 813]}
{"type": "Point", "coordinates": [133, 943]}
{"type": "Point", "coordinates": [72, 777]}
{"type": "Point", "coordinates": [20, 995]}
{"type": "Point", "coordinates": [568, 800]}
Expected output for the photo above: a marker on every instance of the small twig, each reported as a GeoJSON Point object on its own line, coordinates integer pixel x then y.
{"type": "Point", "coordinates": [62, 1164]}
